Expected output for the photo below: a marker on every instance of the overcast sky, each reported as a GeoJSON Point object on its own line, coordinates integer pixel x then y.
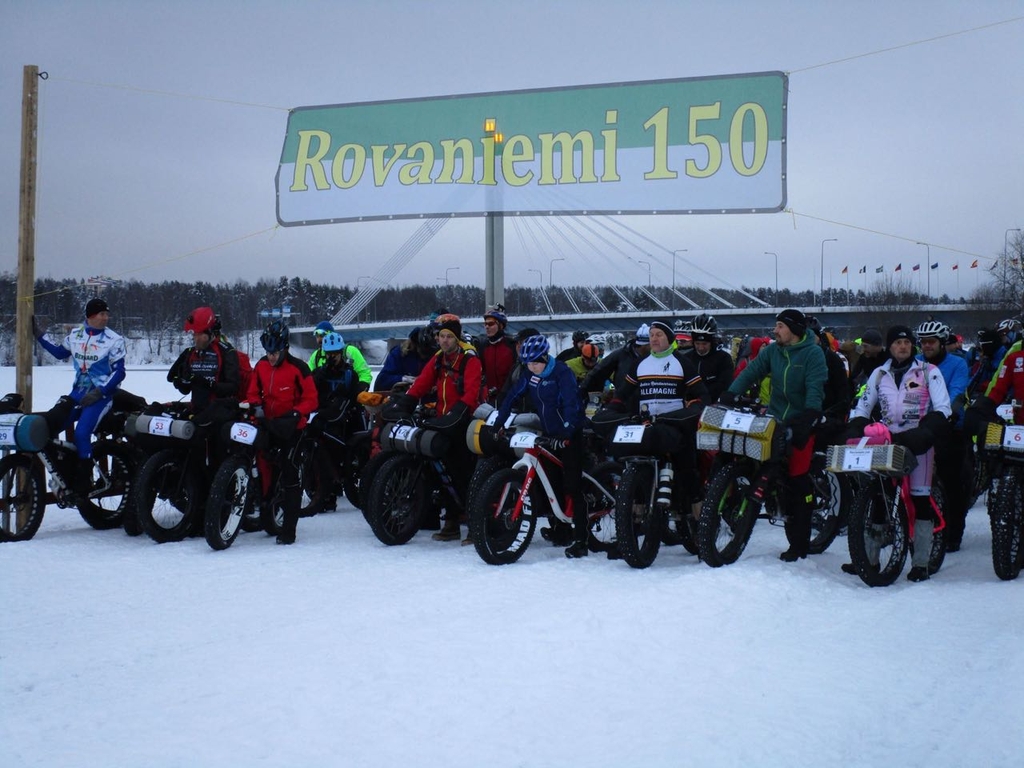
{"type": "Point", "coordinates": [919, 143]}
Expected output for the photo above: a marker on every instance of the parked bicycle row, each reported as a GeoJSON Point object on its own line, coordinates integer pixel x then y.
{"type": "Point", "coordinates": [676, 452]}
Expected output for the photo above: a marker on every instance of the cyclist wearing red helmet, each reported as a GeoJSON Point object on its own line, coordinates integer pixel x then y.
{"type": "Point", "coordinates": [209, 368]}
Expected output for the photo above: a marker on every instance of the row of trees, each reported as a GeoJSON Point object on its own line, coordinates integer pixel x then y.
{"type": "Point", "coordinates": [157, 310]}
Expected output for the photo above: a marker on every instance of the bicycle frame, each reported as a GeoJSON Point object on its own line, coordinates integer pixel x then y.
{"type": "Point", "coordinates": [532, 461]}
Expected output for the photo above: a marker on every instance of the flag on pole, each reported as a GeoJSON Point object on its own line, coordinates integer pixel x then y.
{"type": "Point", "coordinates": [916, 268]}
{"type": "Point", "coordinates": [845, 270]}
{"type": "Point", "coordinates": [863, 270]}
{"type": "Point", "coordinates": [899, 267]}
{"type": "Point", "coordinates": [879, 270]}
{"type": "Point", "coordinates": [935, 265]}
{"type": "Point", "coordinates": [974, 264]}
{"type": "Point", "coordinates": [956, 266]}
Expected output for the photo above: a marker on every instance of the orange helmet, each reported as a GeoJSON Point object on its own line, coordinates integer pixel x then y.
{"type": "Point", "coordinates": [590, 352]}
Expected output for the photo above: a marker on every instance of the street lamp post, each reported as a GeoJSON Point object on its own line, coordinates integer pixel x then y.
{"type": "Point", "coordinates": [677, 250]}
{"type": "Point", "coordinates": [648, 264]}
{"type": "Point", "coordinates": [776, 296]}
{"type": "Point", "coordinates": [449, 269]}
{"type": "Point", "coordinates": [822, 275]}
{"type": "Point", "coordinates": [551, 266]}
{"type": "Point", "coordinates": [540, 277]}
{"type": "Point", "coordinates": [928, 266]}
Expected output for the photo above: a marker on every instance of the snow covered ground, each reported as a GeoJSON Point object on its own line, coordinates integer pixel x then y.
{"type": "Point", "coordinates": [339, 651]}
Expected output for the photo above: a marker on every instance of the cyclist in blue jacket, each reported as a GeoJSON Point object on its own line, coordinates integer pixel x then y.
{"type": "Point", "coordinates": [97, 354]}
{"type": "Point", "coordinates": [553, 390]}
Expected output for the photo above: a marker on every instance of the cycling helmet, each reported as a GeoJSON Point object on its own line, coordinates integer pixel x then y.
{"type": "Point", "coordinates": [275, 338]}
{"type": "Point", "coordinates": [933, 329]}
{"type": "Point", "coordinates": [323, 328]}
{"type": "Point", "coordinates": [1010, 325]}
{"type": "Point", "coordinates": [590, 352]}
{"type": "Point", "coordinates": [578, 336]}
{"type": "Point", "coordinates": [497, 312]}
{"type": "Point", "coordinates": [533, 349]}
{"type": "Point", "coordinates": [333, 342]}
{"type": "Point", "coordinates": [201, 320]}
{"type": "Point", "coordinates": [704, 328]}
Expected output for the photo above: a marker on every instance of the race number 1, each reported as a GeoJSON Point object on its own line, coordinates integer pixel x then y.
{"type": "Point", "coordinates": [857, 459]}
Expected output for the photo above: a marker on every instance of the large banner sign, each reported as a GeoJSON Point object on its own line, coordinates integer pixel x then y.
{"type": "Point", "coordinates": [698, 145]}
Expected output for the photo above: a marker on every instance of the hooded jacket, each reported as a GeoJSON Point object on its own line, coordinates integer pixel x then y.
{"type": "Point", "coordinates": [798, 374]}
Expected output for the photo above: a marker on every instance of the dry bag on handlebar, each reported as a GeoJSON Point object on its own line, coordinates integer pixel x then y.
{"type": "Point", "coordinates": [887, 459]}
{"type": "Point", "coordinates": [24, 432]}
{"type": "Point", "coordinates": [736, 431]}
{"type": "Point", "coordinates": [1002, 437]}
{"type": "Point", "coordinates": [159, 426]}
{"type": "Point", "coordinates": [417, 440]}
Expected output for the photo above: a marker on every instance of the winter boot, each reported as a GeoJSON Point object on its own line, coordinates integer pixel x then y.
{"type": "Point", "coordinates": [558, 533]}
{"type": "Point", "coordinates": [81, 481]}
{"type": "Point", "coordinates": [291, 502]}
{"type": "Point", "coordinates": [580, 528]}
{"type": "Point", "coordinates": [450, 531]}
{"type": "Point", "coordinates": [922, 550]}
{"type": "Point", "coordinates": [798, 522]}
{"type": "Point", "coordinates": [579, 549]}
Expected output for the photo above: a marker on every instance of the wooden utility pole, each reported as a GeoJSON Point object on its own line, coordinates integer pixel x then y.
{"type": "Point", "coordinates": [25, 342]}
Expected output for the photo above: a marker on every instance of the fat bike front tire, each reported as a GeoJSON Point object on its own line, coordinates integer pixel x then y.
{"type": "Point", "coordinates": [727, 517]}
{"type": "Point", "coordinates": [501, 535]}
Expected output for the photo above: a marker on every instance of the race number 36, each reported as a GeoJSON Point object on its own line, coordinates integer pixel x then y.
{"type": "Point", "coordinates": [243, 433]}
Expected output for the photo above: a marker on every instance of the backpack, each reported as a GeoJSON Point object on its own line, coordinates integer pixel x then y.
{"type": "Point", "coordinates": [460, 372]}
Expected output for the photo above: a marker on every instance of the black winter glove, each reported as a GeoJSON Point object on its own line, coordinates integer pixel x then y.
{"type": "Point", "coordinates": [90, 397]}
{"type": "Point", "coordinates": [855, 429]}
{"type": "Point", "coordinates": [183, 383]}
{"type": "Point", "coordinates": [917, 440]}
{"type": "Point", "coordinates": [450, 419]}
{"type": "Point", "coordinates": [557, 443]}
{"type": "Point", "coordinates": [728, 398]}
{"type": "Point", "coordinates": [199, 383]}
{"type": "Point", "coordinates": [978, 415]}
{"type": "Point", "coordinates": [803, 427]}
